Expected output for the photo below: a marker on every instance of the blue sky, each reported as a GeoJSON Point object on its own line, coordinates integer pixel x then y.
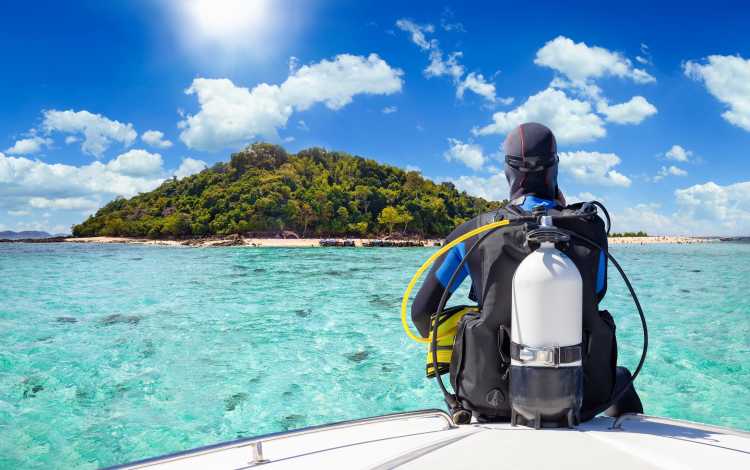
{"type": "Point", "coordinates": [650, 103]}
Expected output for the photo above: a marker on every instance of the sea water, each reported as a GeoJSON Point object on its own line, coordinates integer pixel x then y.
{"type": "Point", "coordinates": [110, 353]}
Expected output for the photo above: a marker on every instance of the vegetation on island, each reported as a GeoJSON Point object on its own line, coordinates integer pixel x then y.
{"type": "Point", "coordinates": [315, 192]}
{"type": "Point", "coordinates": [629, 234]}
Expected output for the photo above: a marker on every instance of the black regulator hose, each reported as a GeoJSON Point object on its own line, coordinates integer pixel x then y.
{"type": "Point", "coordinates": [642, 316]}
{"type": "Point", "coordinates": [606, 214]}
{"type": "Point", "coordinates": [460, 415]}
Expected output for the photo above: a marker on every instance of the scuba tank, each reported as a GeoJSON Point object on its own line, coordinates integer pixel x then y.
{"type": "Point", "coordinates": [546, 373]}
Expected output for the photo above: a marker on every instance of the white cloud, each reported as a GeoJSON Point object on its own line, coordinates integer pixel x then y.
{"type": "Point", "coordinates": [508, 100]}
{"type": "Point", "coordinates": [589, 91]}
{"type": "Point", "coordinates": [469, 154]}
{"type": "Point", "coordinates": [729, 206]}
{"type": "Point", "coordinates": [593, 168]}
{"type": "Point", "coordinates": [190, 166]}
{"type": "Point", "coordinates": [302, 125]}
{"type": "Point", "coordinates": [707, 209]}
{"type": "Point", "coordinates": [570, 119]}
{"type": "Point", "coordinates": [669, 171]}
{"type": "Point", "coordinates": [439, 66]}
{"type": "Point", "coordinates": [417, 32]}
{"type": "Point", "coordinates": [579, 66]}
{"type": "Point", "coordinates": [458, 27]}
{"type": "Point", "coordinates": [583, 197]}
{"type": "Point", "coordinates": [413, 168]}
{"type": "Point", "coordinates": [478, 84]}
{"type": "Point", "coordinates": [29, 146]}
{"type": "Point", "coordinates": [71, 139]}
{"type": "Point", "coordinates": [630, 112]}
{"type": "Point", "coordinates": [727, 78]}
{"type": "Point", "coordinates": [22, 179]}
{"type": "Point", "coordinates": [579, 119]}
{"type": "Point", "coordinates": [64, 203]}
{"type": "Point", "coordinates": [53, 196]}
{"type": "Point", "coordinates": [492, 188]}
{"type": "Point", "coordinates": [137, 163]}
{"type": "Point", "coordinates": [98, 131]}
{"type": "Point", "coordinates": [293, 64]}
{"type": "Point", "coordinates": [678, 153]}
{"type": "Point", "coordinates": [645, 57]}
{"type": "Point", "coordinates": [648, 218]}
{"type": "Point", "coordinates": [448, 64]}
{"type": "Point", "coordinates": [156, 139]}
{"type": "Point", "coordinates": [336, 82]}
{"type": "Point", "coordinates": [580, 62]}
{"type": "Point", "coordinates": [390, 109]}
{"type": "Point", "coordinates": [675, 171]}
{"type": "Point", "coordinates": [232, 115]}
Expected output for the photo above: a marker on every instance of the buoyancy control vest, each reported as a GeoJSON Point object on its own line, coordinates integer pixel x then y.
{"type": "Point", "coordinates": [481, 352]}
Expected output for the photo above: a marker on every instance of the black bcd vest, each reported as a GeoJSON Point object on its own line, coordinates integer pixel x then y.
{"type": "Point", "coordinates": [481, 352]}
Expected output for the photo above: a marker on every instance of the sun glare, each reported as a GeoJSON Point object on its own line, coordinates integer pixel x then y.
{"type": "Point", "coordinates": [227, 20]}
{"type": "Point", "coordinates": [229, 30]}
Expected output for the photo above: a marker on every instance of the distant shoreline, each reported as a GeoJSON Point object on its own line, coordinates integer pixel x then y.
{"type": "Point", "coordinates": [679, 240]}
{"type": "Point", "coordinates": [316, 242]}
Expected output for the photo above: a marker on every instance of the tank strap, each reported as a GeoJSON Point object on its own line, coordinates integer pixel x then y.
{"type": "Point", "coordinates": [545, 356]}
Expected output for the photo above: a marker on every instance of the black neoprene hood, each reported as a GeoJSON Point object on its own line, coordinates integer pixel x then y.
{"type": "Point", "coordinates": [531, 161]}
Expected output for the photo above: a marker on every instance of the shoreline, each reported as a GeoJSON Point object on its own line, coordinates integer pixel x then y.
{"type": "Point", "coordinates": [662, 239]}
{"type": "Point", "coordinates": [245, 242]}
{"type": "Point", "coordinates": [316, 242]}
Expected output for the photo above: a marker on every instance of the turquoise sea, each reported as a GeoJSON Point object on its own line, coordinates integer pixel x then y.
{"type": "Point", "coordinates": [110, 353]}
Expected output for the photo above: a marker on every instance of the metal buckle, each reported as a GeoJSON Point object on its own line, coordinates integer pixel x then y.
{"type": "Point", "coordinates": [546, 356]}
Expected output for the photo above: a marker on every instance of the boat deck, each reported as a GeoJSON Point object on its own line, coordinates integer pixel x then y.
{"type": "Point", "coordinates": [428, 439]}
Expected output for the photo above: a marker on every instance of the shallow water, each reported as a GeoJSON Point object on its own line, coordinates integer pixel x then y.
{"type": "Point", "coordinates": [110, 353]}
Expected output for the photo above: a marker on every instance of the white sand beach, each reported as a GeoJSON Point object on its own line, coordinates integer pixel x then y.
{"type": "Point", "coordinates": [660, 239]}
{"type": "Point", "coordinates": [358, 242]}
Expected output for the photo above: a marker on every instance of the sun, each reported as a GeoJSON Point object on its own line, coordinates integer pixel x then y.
{"type": "Point", "coordinates": [227, 21]}
{"type": "Point", "coordinates": [230, 30]}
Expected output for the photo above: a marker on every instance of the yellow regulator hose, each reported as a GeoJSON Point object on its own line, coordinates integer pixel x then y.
{"type": "Point", "coordinates": [428, 263]}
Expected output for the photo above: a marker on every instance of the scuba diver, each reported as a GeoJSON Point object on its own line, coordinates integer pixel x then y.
{"type": "Point", "coordinates": [480, 359]}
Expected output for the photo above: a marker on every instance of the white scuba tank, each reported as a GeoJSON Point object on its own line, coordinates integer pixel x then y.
{"type": "Point", "coordinates": [547, 306]}
{"type": "Point", "coordinates": [546, 373]}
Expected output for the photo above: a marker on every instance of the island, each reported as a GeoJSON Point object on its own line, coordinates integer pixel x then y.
{"type": "Point", "coordinates": [266, 197]}
{"type": "Point", "coordinates": [263, 193]}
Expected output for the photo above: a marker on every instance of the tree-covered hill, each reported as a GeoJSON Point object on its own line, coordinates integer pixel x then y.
{"type": "Point", "coordinates": [313, 193]}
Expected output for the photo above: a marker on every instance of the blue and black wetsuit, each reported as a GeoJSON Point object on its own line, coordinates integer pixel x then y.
{"type": "Point", "coordinates": [428, 297]}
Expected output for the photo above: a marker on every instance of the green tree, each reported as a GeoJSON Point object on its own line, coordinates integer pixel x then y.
{"type": "Point", "coordinates": [406, 217]}
{"type": "Point", "coordinates": [360, 228]}
{"type": "Point", "coordinates": [176, 225]}
{"type": "Point", "coordinates": [391, 216]}
{"type": "Point", "coordinates": [305, 216]}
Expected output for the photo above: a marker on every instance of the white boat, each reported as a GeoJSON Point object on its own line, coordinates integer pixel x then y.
{"type": "Point", "coordinates": [429, 439]}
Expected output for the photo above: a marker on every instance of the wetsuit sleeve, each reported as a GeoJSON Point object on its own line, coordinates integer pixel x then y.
{"type": "Point", "coordinates": [428, 297]}
{"type": "Point", "coordinates": [601, 273]}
